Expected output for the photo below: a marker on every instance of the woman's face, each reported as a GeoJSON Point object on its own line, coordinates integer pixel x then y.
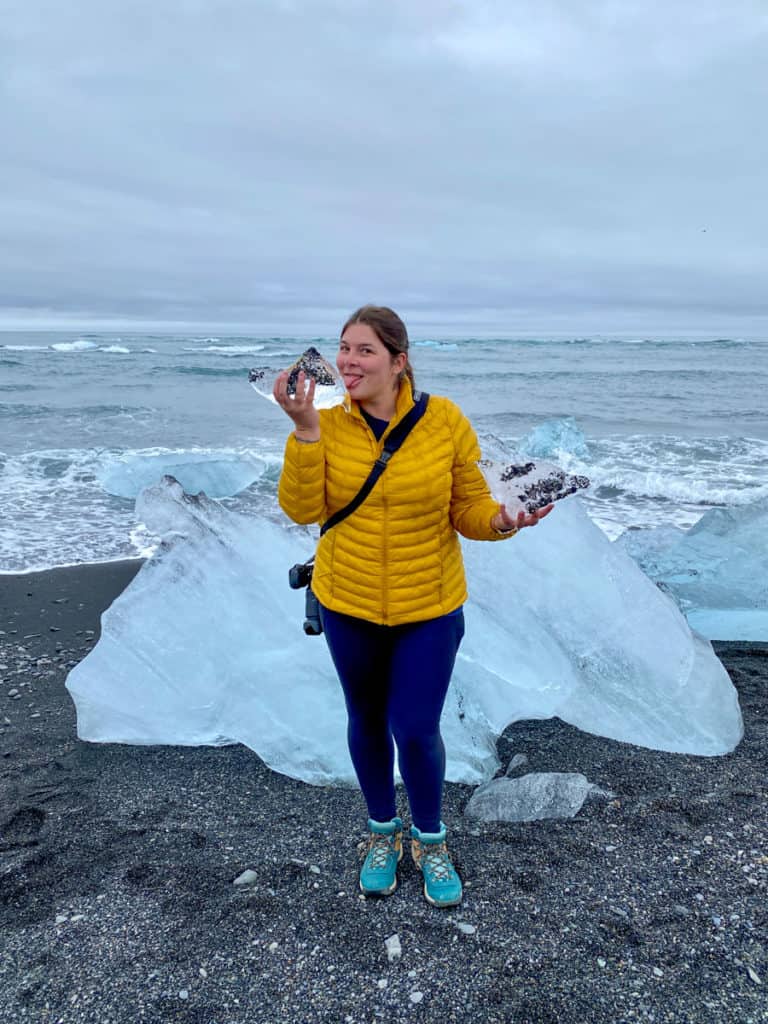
{"type": "Point", "coordinates": [369, 370]}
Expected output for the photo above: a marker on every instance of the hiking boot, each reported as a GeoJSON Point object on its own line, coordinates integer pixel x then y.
{"type": "Point", "coordinates": [442, 886]}
{"type": "Point", "coordinates": [378, 875]}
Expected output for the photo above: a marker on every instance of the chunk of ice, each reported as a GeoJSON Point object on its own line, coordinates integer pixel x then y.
{"type": "Point", "coordinates": [527, 486]}
{"type": "Point", "coordinates": [717, 571]}
{"type": "Point", "coordinates": [205, 647]}
{"type": "Point", "coordinates": [329, 388]}
{"type": "Point", "coordinates": [530, 797]}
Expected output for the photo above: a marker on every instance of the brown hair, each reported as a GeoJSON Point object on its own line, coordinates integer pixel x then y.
{"type": "Point", "coordinates": [389, 329]}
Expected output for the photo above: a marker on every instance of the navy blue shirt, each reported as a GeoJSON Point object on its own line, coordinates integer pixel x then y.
{"type": "Point", "coordinates": [377, 426]}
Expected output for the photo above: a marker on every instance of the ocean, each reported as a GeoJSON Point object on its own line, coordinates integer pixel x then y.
{"type": "Point", "coordinates": [664, 428]}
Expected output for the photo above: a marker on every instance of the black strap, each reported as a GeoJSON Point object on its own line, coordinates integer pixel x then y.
{"type": "Point", "coordinates": [393, 442]}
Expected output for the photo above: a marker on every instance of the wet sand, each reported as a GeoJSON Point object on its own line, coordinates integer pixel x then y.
{"type": "Point", "coordinates": [117, 865]}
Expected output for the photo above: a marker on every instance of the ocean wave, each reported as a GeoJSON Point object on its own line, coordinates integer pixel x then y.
{"type": "Point", "coordinates": [81, 345]}
{"type": "Point", "coordinates": [227, 350]}
{"type": "Point", "coordinates": [25, 348]}
{"type": "Point", "coordinates": [11, 362]}
{"type": "Point", "coordinates": [119, 349]}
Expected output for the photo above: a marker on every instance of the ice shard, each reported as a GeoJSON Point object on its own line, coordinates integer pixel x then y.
{"type": "Point", "coordinates": [528, 486]}
{"type": "Point", "coordinates": [206, 647]}
{"type": "Point", "coordinates": [717, 571]}
{"type": "Point", "coordinates": [329, 388]}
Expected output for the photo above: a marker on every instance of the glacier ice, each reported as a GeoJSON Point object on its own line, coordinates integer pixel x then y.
{"type": "Point", "coordinates": [205, 647]}
{"type": "Point", "coordinates": [219, 474]}
{"type": "Point", "coordinates": [531, 797]}
{"type": "Point", "coordinates": [528, 486]}
{"type": "Point", "coordinates": [329, 388]}
{"type": "Point", "coordinates": [554, 438]}
{"type": "Point", "coordinates": [717, 571]}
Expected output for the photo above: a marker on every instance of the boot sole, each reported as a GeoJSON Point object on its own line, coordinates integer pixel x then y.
{"type": "Point", "coordinates": [441, 903]}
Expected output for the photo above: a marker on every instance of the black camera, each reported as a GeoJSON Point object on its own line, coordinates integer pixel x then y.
{"type": "Point", "coordinates": [300, 575]}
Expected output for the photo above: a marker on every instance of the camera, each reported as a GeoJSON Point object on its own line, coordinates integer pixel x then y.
{"type": "Point", "coordinates": [300, 575]}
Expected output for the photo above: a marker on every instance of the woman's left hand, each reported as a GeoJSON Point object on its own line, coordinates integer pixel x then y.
{"type": "Point", "coordinates": [503, 521]}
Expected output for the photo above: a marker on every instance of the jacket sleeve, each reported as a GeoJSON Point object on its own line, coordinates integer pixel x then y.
{"type": "Point", "coordinates": [472, 506]}
{"type": "Point", "coordinates": [301, 490]}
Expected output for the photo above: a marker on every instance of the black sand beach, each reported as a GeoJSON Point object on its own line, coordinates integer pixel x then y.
{"type": "Point", "coordinates": [117, 864]}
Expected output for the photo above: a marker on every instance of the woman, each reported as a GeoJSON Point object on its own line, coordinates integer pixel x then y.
{"type": "Point", "coordinates": [390, 578]}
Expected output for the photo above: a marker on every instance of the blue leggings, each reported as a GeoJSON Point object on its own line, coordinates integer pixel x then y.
{"type": "Point", "coordinates": [395, 679]}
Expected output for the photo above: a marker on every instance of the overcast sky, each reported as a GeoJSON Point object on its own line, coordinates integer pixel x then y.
{"type": "Point", "coordinates": [571, 165]}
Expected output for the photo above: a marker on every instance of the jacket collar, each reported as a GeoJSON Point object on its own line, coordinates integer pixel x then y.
{"type": "Point", "coordinates": [403, 404]}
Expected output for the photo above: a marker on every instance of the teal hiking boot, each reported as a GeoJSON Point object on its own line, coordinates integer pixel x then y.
{"type": "Point", "coordinates": [378, 875]}
{"type": "Point", "coordinates": [442, 886]}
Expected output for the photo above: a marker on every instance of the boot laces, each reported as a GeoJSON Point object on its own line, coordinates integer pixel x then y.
{"type": "Point", "coordinates": [380, 847]}
{"type": "Point", "coordinates": [437, 861]}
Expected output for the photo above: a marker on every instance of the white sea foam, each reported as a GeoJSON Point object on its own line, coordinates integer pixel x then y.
{"type": "Point", "coordinates": [81, 345]}
{"type": "Point", "coordinates": [119, 349]}
{"type": "Point", "coordinates": [228, 350]}
{"type": "Point", "coordinates": [25, 348]}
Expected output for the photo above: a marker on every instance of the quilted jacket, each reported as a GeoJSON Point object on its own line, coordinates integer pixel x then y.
{"type": "Point", "coordinates": [397, 558]}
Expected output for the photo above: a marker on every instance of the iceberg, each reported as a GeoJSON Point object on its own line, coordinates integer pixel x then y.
{"type": "Point", "coordinates": [717, 571]}
{"type": "Point", "coordinates": [206, 647]}
{"type": "Point", "coordinates": [220, 475]}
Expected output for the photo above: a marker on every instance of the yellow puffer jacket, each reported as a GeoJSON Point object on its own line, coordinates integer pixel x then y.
{"type": "Point", "coordinates": [397, 558]}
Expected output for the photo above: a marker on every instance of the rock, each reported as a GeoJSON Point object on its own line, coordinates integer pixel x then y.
{"type": "Point", "coordinates": [518, 761]}
{"type": "Point", "coordinates": [753, 975]}
{"type": "Point", "coordinates": [314, 869]}
{"type": "Point", "coordinates": [248, 877]}
{"type": "Point", "coordinates": [393, 947]}
{"type": "Point", "coordinates": [466, 929]}
{"type": "Point", "coordinates": [530, 797]}
{"type": "Point", "coordinates": [184, 994]}
{"type": "Point", "coordinates": [601, 962]}
{"type": "Point", "coordinates": [416, 996]}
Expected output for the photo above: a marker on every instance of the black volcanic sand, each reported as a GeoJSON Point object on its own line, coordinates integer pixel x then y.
{"type": "Point", "coordinates": [117, 863]}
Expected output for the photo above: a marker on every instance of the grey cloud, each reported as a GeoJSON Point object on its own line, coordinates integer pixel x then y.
{"type": "Point", "coordinates": [218, 162]}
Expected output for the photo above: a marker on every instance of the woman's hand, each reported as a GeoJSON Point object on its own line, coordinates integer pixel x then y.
{"type": "Point", "coordinates": [503, 522]}
{"type": "Point", "coordinates": [300, 407]}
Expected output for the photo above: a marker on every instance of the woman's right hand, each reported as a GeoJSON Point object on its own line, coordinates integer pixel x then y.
{"type": "Point", "coordinates": [300, 407]}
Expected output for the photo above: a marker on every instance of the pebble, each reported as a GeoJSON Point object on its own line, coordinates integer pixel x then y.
{"type": "Point", "coordinates": [416, 996]}
{"type": "Point", "coordinates": [248, 877]}
{"type": "Point", "coordinates": [601, 962]}
{"type": "Point", "coordinates": [13, 692]}
{"type": "Point", "coordinates": [314, 869]}
{"type": "Point", "coordinates": [272, 947]}
{"type": "Point", "coordinates": [393, 947]}
{"type": "Point", "coordinates": [184, 994]}
{"type": "Point", "coordinates": [382, 982]}
{"type": "Point", "coordinates": [202, 972]}
{"type": "Point", "coordinates": [411, 974]}
{"type": "Point", "coordinates": [61, 918]}
{"type": "Point", "coordinates": [466, 929]}
{"type": "Point", "coordinates": [754, 976]}
{"type": "Point", "coordinates": [657, 972]}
